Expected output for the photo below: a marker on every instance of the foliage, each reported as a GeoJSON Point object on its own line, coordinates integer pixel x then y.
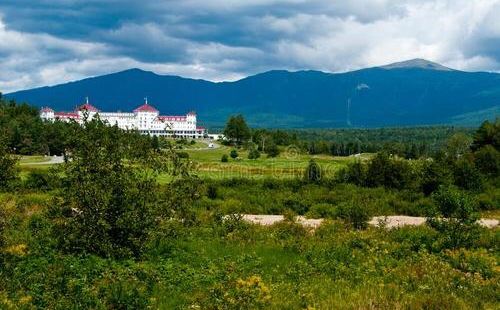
{"type": "Point", "coordinates": [313, 172]}
{"type": "Point", "coordinates": [272, 150]}
{"type": "Point", "coordinates": [105, 205]}
{"type": "Point", "coordinates": [237, 129]}
{"type": "Point", "coordinates": [456, 219]}
{"type": "Point", "coordinates": [253, 153]}
{"type": "Point", "coordinates": [8, 169]}
{"type": "Point", "coordinates": [487, 159]}
{"type": "Point", "coordinates": [435, 173]}
{"type": "Point", "coordinates": [389, 172]}
{"type": "Point", "coordinates": [233, 154]}
{"type": "Point", "coordinates": [487, 134]}
{"type": "Point", "coordinates": [354, 214]}
{"type": "Point", "coordinates": [224, 158]}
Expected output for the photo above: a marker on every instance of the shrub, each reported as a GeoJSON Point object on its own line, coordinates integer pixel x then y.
{"type": "Point", "coordinates": [456, 219]}
{"type": "Point", "coordinates": [3, 223]}
{"type": "Point", "coordinates": [8, 169]}
{"type": "Point", "coordinates": [272, 150]}
{"type": "Point", "coordinates": [435, 173]}
{"type": "Point", "coordinates": [388, 172]}
{"type": "Point", "coordinates": [354, 173]}
{"type": "Point", "coordinates": [42, 180]}
{"type": "Point", "coordinates": [184, 155]}
{"type": "Point", "coordinates": [487, 160]}
{"type": "Point", "coordinates": [234, 154]}
{"type": "Point", "coordinates": [322, 210]}
{"type": "Point", "coordinates": [467, 176]}
{"type": "Point", "coordinates": [253, 153]}
{"type": "Point", "coordinates": [313, 172]}
{"type": "Point", "coordinates": [212, 191]}
{"type": "Point", "coordinates": [296, 206]}
{"type": "Point", "coordinates": [224, 158]}
{"type": "Point", "coordinates": [354, 214]}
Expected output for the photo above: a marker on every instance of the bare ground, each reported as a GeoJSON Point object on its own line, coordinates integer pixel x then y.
{"type": "Point", "coordinates": [388, 221]}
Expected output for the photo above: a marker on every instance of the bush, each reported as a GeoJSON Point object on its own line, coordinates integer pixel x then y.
{"type": "Point", "coordinates": [354, 173]}
{"type": "Point", "coordinates": [389, 172]}
{"type": "Point", "coordinates": [322, 210]}
{"type": "Point", "coordinates": [184, 155]}
{"type": "Point", "coordinates": [234, 154]}
{"type": "Point", "coordinates": [354, 214]}
{"type": "Point", "coordinates": [296, 206]}
{"type": "Point", "coordinates": [272, 150]}
{"type": "Point", "coordinates": [253, 153]}
{"type": "Point", "coordinates": [8, 169]}
{"type": "Point", "coordinates": [224, 158]}
{"type": "Point", "coordinates": [456, 220]}
{"type": "Point", "coordinates": [42, 180]}
{"type": "Point", "coordinates": [212, 191]}
{"type": "Point", "coordinates": [487, 160]}
{"type": "Point", "coordinates": [313, 172]}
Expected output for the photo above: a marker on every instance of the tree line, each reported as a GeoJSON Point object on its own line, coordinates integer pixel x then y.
{"type": "Point", "coordinates": [410, 143]}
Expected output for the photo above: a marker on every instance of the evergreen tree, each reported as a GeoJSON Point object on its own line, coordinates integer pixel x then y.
{"type": "Point", "coordinates": [237, 129]}
{"type": "Point", "coordinates": [313, 172]}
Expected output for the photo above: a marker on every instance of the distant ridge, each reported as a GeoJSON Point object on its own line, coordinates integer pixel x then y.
{"type": "Point", "coordinates": [408, 93]}
{"type": "Point", "coordinates": [417, 63]}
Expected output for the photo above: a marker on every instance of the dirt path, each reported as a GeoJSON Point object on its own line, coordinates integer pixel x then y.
{"type": "Point", "coordinates": [388, 221]}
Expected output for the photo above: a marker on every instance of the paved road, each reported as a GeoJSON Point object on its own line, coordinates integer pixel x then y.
{"type": "Point", "coordinates": [216, 146]}
{"type": "Point", "coordinates": [52, 161]}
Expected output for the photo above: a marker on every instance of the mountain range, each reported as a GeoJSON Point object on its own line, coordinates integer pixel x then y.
{"type": "Point", "coordinates": [408, 93]}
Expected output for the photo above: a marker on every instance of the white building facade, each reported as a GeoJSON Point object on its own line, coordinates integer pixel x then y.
{"type": "Point", "coordinates": [146, 119]}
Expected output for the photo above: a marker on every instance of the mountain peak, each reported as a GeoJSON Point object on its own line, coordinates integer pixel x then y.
{"type": "Point", "coordinates": [418, 63]}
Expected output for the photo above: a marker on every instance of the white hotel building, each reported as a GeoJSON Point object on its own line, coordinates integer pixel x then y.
{"type": "Point", "coordinates": [146, 119]}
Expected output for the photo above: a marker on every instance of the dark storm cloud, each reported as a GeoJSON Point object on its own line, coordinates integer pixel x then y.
{"type": "Point", "coordinates": [59, 40]}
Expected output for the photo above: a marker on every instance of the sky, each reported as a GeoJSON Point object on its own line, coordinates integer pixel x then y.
{"type": "Point", "coordinates": [48, 42]}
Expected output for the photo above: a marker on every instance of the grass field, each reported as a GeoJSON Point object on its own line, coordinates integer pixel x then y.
{"type": "Point", "coordinates": [288, 164]}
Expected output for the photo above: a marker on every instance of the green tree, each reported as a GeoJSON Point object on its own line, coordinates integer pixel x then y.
{"type": "Point", "coordinates": [487, 134]}
{"type": "Point", "coordinates": [253, 153]}
{"type": "Point", "coordinates": [487, 160]}
{"type": "Point", "coordinates": [434, 174]}
{"type": "Point", "coordinates": [272, 150]}
{"type": "Point", "coordinates": [8, 169]}
{"type": "Point", "coordinates": [390, 172]}
{"type": "Point", "coordinates": [313, 172]}
{"type": "Point", "coordinates": [106, 205]}
{"type": "Point", "coordinates": [456, 218]}
{"type": "Point", "coordinates": [466, 175]}
{"type": "Point", "coordinates": [458, 144]}
{"type": "Point", "coordinates": [355, 173]}
{"type": "Point", "coordinates": [237, 129]}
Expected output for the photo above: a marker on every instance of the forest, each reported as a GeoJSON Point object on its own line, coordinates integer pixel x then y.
{"type": "Point", "coordinates": [127, 221]}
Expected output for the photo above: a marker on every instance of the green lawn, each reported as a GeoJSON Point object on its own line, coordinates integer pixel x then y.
{"type": "Point", "coordinates": [33, 159]}
{"type": "Point", "coordinates": [287, 165]}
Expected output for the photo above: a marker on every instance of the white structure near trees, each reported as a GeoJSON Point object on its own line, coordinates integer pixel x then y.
{"type": "Point", "coordinates": [146, 119]}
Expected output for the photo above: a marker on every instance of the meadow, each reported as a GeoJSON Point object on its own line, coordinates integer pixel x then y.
{"type": "Point", "coordinates": [125, 224]}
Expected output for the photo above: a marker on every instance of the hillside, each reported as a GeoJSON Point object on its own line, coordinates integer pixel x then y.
{"type": "Point", "coordinates": [415, 92]}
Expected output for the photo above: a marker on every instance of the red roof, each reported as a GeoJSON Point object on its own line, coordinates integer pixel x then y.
{"type": "Point", "coordinates": [146, 108]}
{"type": "Point", "coordinates": [192, 113]}
{"type": "Point", "coordinates": [88, 107]}
{"type": "Point", "coordinates": [200, 128]}
{"type": "Point", "coordinates": [47, 109]}
{"type": "Point", "coordinates": [66, 115]}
